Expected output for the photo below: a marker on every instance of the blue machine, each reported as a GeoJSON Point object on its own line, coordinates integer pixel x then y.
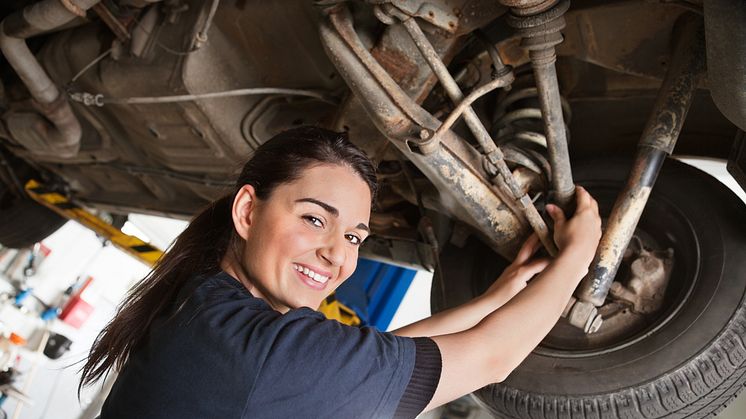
{"type": "Point", "coordinates": [375, 291]}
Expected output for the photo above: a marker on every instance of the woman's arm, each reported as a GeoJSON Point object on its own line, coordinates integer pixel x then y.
{"type": "Point", "coordinates": [511, 281]}
{"type": "Point", "coordinates": [489, 351]}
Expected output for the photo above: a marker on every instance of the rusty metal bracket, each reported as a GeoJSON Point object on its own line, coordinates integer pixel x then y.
{"type": "Point", "coordinates": [650, 272]}
{"type": "Point", "coordinates": [428, 11]}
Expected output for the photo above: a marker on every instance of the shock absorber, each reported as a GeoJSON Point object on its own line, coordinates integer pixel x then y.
{"type": "Point", "coordinates": [518, 128]}
{"type": "Point", "coordinates": [539, 23]}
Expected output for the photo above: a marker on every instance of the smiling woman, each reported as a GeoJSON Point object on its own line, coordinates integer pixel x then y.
{"type": "Point", "coordinates": [307, 241]}
{"type": "Point", "coordinates": [223, 326]}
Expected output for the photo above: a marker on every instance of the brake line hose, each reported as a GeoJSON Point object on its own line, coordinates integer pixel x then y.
{"type": "Point", "coordinates": [90, 99]}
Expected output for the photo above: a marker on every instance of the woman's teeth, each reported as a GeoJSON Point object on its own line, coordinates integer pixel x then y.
{"type": "Point", "coordinates": [311, 274]}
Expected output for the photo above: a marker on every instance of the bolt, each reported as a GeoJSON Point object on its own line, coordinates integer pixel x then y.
{"type": "Point", "coordinates": [595, 324]}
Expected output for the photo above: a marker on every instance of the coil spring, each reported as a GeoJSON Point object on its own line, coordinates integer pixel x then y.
{"type": "Point", "coordinates": [518, 128]}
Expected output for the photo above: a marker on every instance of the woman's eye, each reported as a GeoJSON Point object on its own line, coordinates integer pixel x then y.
{"type": "Point", "coordinates": [353, 239]}
{"type": "Point", "coordinates": [313, 220]}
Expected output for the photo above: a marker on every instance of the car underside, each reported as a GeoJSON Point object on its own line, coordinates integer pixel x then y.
{"type": "Point", "coordinates": [476, 113]}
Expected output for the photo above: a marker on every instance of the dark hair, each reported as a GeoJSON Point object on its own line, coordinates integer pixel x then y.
{"type": "Point", "coordinates": [203, 244]}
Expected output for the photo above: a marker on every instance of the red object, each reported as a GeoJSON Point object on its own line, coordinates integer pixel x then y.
{"type": "Point", "coordinates": [17, 339]}
{"type": "Point", "coordinates": [44, 250]}
{"type": "Point", "coordinates": [77, 310]}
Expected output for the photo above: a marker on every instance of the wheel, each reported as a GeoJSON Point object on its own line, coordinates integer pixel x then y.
{"type": "Point", "coordinates": [24, 222]}
{"type": "Point", "coordinates": [687, 359]}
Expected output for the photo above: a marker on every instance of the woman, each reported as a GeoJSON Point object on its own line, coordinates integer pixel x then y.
{"type": "Point", "coordinates": [223, 325]}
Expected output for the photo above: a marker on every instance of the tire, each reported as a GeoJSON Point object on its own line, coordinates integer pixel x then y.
{"type": "Point", "coordinates": [23, 222]}
{"type": "Point", "coordinates": [690, 362]}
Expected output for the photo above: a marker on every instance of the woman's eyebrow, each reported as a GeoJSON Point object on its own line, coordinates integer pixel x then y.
{"type": "Point", "coordinates": [328, 208]}
{"type": "Point", "coordinates": [331, 210]}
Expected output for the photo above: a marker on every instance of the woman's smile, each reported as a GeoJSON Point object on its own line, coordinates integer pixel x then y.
{"type": "Point", "coordinates": [313, 277]}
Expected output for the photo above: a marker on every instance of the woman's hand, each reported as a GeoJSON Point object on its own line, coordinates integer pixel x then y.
{"type": "Point", "coordinates": [511, 282]}
{"type": "Point", "coordinates": [578, 236]}
{"type": "Point", "coordinates": [497, 344]}
{"type": "Point", "coordinates": [515, 277]}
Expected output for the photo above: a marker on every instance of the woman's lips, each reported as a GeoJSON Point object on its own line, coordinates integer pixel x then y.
{"type": "Point", "coordinates": [310, 277]}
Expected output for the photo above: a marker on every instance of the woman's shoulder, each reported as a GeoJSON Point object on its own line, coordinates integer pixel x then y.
{"type": "Point", "coordinates": [219, 295]}
{"type": "Point", "coordinates": [217, 287]}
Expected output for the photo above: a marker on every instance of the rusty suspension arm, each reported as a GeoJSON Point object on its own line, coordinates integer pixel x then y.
{"type": "Point", "coordinates": [657, 141]}
{"type": "Point", "coordinates": [455, 168]}
{"type": "Point", "coordinates": [495, 163]}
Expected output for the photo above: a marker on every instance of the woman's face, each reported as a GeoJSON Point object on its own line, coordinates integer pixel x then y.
{"type": "Point", "coordinates": [302, 242]}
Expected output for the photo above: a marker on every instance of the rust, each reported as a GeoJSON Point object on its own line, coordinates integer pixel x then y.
{"type": "Point", "coordinates": [672, 105]}
{"type": "Point", "coordinates": [112, 22]}
{"type": "Point", "coordinates": [399, 66]}
{"type": "Point", "coordinates": [512, 53]}
{"type": "Point", "coordinates": [650, 273]}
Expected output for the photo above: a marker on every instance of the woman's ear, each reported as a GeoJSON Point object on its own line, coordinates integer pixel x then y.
{"type": "Point", "coordinates": [242, 211]}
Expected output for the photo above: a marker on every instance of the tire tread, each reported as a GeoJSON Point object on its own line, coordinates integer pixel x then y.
{"type": "Point", "coordinates": [701, 388]}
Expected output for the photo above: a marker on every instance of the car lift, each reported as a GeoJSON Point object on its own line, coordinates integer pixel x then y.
{"type": "Point", "coordinates": [141, 250]}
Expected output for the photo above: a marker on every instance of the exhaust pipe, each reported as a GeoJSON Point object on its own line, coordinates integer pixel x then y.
{"type": "Point", "coordinates": [59, 131]}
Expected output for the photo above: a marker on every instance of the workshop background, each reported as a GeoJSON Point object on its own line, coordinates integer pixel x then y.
{"type": "Point", "coordinates": [73, 281]}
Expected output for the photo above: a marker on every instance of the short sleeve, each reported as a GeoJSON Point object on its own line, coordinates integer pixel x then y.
{"type": "Point", "coordinates": [314, 367]}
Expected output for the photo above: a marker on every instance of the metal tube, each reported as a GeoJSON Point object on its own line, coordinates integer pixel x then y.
{"type": "Point", "coordinates": [65, 132]}
{"type": "Point", "coordinates": [28, 69]}
{"type": "Point", "coordinates": [497, 62]}
{"type": "Point", "coordinates": [471, 98]}
{"type": "Point", "coordinates": [658, 140]}
{"type": "Point", "coordinates": [545, 76]}
{"type": "Point", "coordinates": [449, 84]}
{"type": "Point", "coordinates": [91, 99]}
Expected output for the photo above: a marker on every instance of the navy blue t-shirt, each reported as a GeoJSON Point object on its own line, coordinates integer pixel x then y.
{"type": "Point", "coordinates": [227, 354]}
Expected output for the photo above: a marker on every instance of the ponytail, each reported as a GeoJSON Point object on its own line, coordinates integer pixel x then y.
{"type": "Point", "coordinates": [198, 250]}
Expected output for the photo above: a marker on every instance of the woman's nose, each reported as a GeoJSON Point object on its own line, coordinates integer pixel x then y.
{"type": "Point", "coordinates": [334, 251]}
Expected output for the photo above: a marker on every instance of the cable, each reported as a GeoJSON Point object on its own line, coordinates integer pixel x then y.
{"type": "Point", "coordinates": [90, 99]}
{"type": "Point", "coordinates": [89, 65]}
{"type": "Point", "coordinates": [201, 37]}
